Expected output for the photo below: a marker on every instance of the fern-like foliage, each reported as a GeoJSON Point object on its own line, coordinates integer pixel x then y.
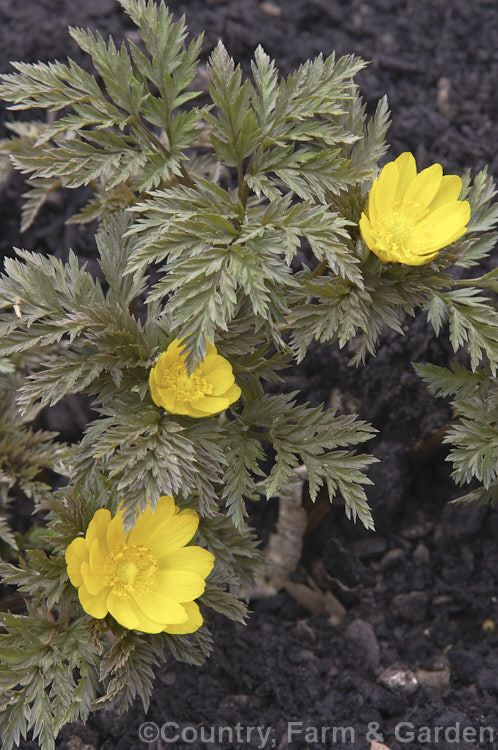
{"type": "Point", "coordinates": [48, 677]}
{"type": "Point", "coordinates": [290, 145]}
{"type": "Point", "coordinates": [310, 436]}
{"type": "Point", "coordinates": [295, 147]}
{"type": "Point", "coordinates": [25, 454]}
{"type": "Point", "coordinates": [473, 435]}
{"type": "Point", "coordinates": [125, 123]}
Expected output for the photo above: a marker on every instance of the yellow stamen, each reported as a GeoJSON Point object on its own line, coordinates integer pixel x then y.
{"type": "Point", "coordinates": [185, 387]}
{"type": "Point", "coordinates": [130, 569]}
{"type": "Point", "coordinates": [395, 231]}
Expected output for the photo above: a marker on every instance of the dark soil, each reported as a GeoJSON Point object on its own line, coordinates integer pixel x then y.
{"type": "Point", "coordinates": [418, 591]}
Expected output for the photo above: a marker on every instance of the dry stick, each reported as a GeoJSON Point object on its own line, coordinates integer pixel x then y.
{"type": "Point", "coordinates": [284, 548]}
{"type": "Point", "coordinates": [284, 552]}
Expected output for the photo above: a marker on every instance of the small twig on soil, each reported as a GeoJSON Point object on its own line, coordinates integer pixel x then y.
{"type": "Point", "coordinates": [284, 548]}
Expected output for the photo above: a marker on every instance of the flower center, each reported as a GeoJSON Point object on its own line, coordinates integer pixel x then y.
{"type": "Point", "coordinates": [130, 569]}
{"type": "Point", "coordinates": [186, 387]}
{"type": "Point", "coordinates": [399, 232]}
{"type": "Point", "coordinates": [394, 233]}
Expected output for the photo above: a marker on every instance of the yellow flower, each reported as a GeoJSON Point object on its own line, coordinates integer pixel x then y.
{"type": "Point", "coordinates": [208, 390]}
{"type": "Point", "coordinates": [147, 579]}
{"type": "Point", "coordinates": [410, 217]}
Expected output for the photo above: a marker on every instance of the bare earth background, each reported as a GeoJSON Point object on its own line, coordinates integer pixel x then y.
{"type": "Point", "coordinates": [417, 591]}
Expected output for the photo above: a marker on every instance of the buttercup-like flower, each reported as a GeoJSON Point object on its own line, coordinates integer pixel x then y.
{"type": "Point", "coordinates": [211, 387]}
{"type": "Point", "coordinates": [147, 579]}
{"type": "Point", "coordinates": [410, 217]}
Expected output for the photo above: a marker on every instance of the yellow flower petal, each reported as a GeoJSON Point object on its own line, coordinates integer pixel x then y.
{"type": "Point", "coordinates": [178, 585]}
{"type": "Point", "coordinates": [194, 559]}
{"type": "Point", "coordinates": [174, 533]}
{"type": "Point", "coordinates": [443, 226]}
{"type": "Point", "coordinates": [233, 394]}
{"type": "Point", "coordinates": [192, 624]}
{"type": "Point", "coordinates": [386, 186]}
{"type": "Point", "coordinates": [164, 397]}
{"type": "Point", "coordinates": [94, 583]}
{"type": "Point", "coordinates": [367, 232]}
{"type": "Point", "coordinates": [176, 406]}
{"type": "Point", "coordinates": [371, 204]}
{"type": "Point", "coordinates": [449, 190]}
{"type": "Point", "coordinates": [407, 171]}
{"type": "Point", "coordinates": [115, 532]}
{"type": "Point", "coordinates": [189, 411]}
{"type": "Point", "coordinates": [97, 559]}
{"type": "Point", "coordinates": [222, 380]}
{"type": "Point", "coordinates": [95, 606]}
{"type": "Point", "coordinates": [154, 390]}
{"type": "Point", "coordinates": [215, 367]}
{"type": "Point", "coordinates": [157, 606]}
{"type": "Point", "coordinates": [76, 553]}
{"type": "Point", "coordinates": [175, 351]}
{"type": "Point", "coordinates": [214, 362]}
{"type": "Point", "coordinates": [210, 405]}
{"type": "Point", "coordinates": [145, 624]}
{"type": "Point", "coordinates": [122, 611]}
{"type": "Point", "coordinates": [414, 259]}
{"type": "Point", "coordinates": [97, 529]}
{"type": "Point", "coordinates": [148, 522]}
{"type": "Point", "coordinates": [424, 187]}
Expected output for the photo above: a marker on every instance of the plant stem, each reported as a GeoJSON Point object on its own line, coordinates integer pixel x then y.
{"type": "Point", "coordinates": [243, 192]}
{"type": "Point", "coordinates": [137, 122]}
{"type": "Point", "coordinates": [320, 268]}
{"type": "Point", "coordinates": [258, 435]}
